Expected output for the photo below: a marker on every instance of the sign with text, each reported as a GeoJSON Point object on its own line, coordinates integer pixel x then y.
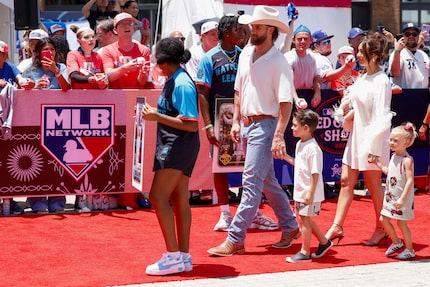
{"type": "Point", "coordinates": [77, 136]}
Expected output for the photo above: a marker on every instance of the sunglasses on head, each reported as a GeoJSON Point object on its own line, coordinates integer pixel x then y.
{"type": "Point", "coordinates": [326, 42]}
{"type": "Point", "coordinates": [408, 34]}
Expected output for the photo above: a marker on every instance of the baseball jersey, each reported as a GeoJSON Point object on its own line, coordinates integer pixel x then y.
{"type": "Point", "coordinates": [177, 149]}
{"type": "Point", "coordinates": [217, 70]}
{"type": "Point", "coordinates": [414, 69]}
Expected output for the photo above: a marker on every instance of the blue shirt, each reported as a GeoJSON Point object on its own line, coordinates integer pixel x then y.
{"type": "Point", "coordinates": [217, 70]}
{"type": "Point", "coordinates": [9, 72]}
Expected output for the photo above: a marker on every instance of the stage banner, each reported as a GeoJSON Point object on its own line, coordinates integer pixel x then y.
{"type": "Point", "coordinates": [229, 156]}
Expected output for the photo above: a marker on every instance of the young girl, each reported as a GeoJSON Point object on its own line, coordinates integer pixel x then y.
{"type": "Point", "coordinates": [176, 153]}
{"type": "Point", "coordinates": [399, 194]}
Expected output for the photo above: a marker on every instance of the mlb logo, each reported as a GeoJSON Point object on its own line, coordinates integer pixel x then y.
{"type": "Point", "coordinates": [77, 136]}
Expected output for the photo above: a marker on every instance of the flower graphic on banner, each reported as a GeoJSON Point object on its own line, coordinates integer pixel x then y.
{"type": "Point", "coordinates": [25, 162]}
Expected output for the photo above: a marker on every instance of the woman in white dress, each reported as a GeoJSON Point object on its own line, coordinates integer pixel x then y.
{"type": "Point", "coordinates": [370, 100]}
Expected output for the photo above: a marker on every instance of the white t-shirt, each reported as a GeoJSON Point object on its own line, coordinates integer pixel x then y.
{"type": "Point", "coordinates": [25, 64]}
{"type": "Point", "coordinates": [323, 67]}
{"type": "Point", "coordinates": [191, 66]}
{"type": "Point", "coordinates": [264, 84]}
{"type": "Point", "coordinates": [414, 69]}
{"type": "Point", "coordinates": [304, 68]}
{"type": "Point", "coordinates": [308, 161]}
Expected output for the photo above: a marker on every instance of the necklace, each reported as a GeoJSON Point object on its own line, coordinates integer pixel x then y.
{"type": "Point", "coordinates": [231, 59]}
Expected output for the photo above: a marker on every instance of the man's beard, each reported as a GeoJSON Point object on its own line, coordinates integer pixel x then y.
{"type": "Point", "coordinates": [255, 40]}
{"type": "Point", "coordinates": [411, 45]}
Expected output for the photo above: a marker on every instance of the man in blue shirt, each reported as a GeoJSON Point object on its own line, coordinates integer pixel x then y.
{"type": "Point", "coordinates": [8, 71]}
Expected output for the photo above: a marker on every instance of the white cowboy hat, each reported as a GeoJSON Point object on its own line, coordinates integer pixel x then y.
{"type": "Point", "coordinates": [265, 15]}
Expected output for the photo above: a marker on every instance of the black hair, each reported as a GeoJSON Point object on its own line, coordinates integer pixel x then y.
{"type": "Point", "coordinates": [307, 117]}
{"type": "Point", "coordinates": [37, 50]}
{"type": "Point", "coordinates": [171, 50]}
{"type": "Point", "coordinates": [61, 47]}
{"type": "Point", "coordinates": [128, 4]}
{"type": "Point", "coordinates": [226, 23]}
{"type": "Point", "coordinates": [275, 34]}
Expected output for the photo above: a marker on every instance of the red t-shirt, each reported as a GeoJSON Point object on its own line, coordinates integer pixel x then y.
{"type": "Point", "coordinates": [114, 57]}
{"type": "Point", "coordinates": [76, 60]}
{"type": "Point", "coordinates": [341, 83]}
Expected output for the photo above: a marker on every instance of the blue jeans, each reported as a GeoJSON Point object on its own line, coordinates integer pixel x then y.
{"type": "Point", "coordinates": [259, 175]}
{"type": "Point", "coordinates": [51, 203]}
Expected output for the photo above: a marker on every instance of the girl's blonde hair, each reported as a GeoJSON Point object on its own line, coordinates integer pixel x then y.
{"type": "Point", "coordinates": [406, 130]}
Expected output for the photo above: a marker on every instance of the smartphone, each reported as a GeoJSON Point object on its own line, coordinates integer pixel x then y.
{"type": "Point", "coordinates": [47, 54]}
{"type": "Point", "coordinates": [398, 36]}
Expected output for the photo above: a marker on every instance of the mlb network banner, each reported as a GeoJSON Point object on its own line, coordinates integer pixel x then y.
{"type": "Point", "coordinates": [77, 136]}
{"type": "Point", "coordinates": [82, 142]}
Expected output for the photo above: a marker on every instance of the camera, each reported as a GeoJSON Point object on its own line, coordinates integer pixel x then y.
{"type": "Point", "coordinates": [380, 28]}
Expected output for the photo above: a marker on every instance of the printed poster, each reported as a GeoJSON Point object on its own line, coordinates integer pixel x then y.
{"type": "Point", "coordinates": [138, 144]}
{"type": "Point", "coordinates": [229, 157]}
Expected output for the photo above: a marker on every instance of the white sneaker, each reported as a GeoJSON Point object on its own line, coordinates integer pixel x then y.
{"type": "Point", "coordinates": [166, 265]}
{"type": "Point", "coordinates": [223, 222]}
{"type": "Point", "coordinates": [263, 222]}
{"type": "Point", "coordinates": [188, 262]}
{"type": "Point", "coordinates": [82, 205]}
{"type": "Point", "coordinates": [406, 254]}
{"type": "Point", "coordinates": [394, 248]}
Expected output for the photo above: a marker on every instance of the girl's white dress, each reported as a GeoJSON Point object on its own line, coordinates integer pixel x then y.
{"type": "Point", "coordinates": [396, 180]}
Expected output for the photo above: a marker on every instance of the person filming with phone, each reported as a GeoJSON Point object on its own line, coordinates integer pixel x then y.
{"type": "Point", "coordinates": [45, 73]}
{"type": "Point", "coordinates": [408, 65]}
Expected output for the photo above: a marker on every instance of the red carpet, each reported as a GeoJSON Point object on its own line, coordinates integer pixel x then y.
{"type": "Point", "coordinates": [113, 248]}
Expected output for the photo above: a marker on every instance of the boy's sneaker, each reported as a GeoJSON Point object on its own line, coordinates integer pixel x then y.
{"type": "Point", "coordinates": [299, 257]}
{"type": "Point", "coordinates": [166, 265]}
{"type": "Point", "coordinates": [394, 248]}
{"type": "Point", "coordinates": [406, 254]}
{"type": "Point", "coordinates": [322, 249]}
{"type": "Point", "coordinates": [223, 222]}
{"type": "Point", "coordinates": [263, 222]}
{"type": "Point", "coordinates": [188, 262]}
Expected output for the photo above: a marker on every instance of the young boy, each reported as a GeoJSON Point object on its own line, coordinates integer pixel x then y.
{"type": "Point", "coordinates": [308, 184]}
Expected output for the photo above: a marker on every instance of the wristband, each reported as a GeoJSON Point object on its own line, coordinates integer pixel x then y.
{"type": "Point", "coordinates": [207, 127]}
{"type": "Point", "coordinates": [396, 51]}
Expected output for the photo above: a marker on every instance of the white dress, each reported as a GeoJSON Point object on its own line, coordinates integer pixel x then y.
{"type": "Point", "coordinates": [396, 181]}
{"type": "Point", "coordinates": [370, 98]}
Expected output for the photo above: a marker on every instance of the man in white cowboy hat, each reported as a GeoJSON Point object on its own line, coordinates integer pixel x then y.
{"type": "Point", "coordinates": [262, 108]}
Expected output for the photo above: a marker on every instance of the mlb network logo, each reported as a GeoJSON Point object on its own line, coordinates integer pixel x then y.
{"type": "Point", "coordinates": [77, 136]}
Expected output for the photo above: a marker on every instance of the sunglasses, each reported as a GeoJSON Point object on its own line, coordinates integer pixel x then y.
{"type": "Point", "coordinates": [408, 34]}
{"type": "Point", "coordinates": [325, 42]}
